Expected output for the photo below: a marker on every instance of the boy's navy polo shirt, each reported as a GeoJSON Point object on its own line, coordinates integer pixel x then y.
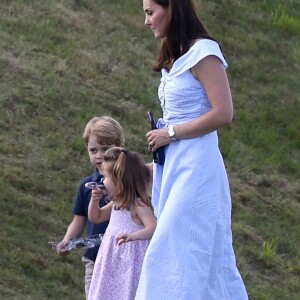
{"type": "Point", "coordinates": [81, 209]}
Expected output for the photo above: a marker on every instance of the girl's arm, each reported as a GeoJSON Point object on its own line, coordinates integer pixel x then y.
{"type": "Point", "coordinates": [211, 73]}
{"type": "Point", "coordinates": [98, 214]}
{"type": "Point", "coordinates": [150, 171]}
{"type": "Point", "coordinates": [145, 214]}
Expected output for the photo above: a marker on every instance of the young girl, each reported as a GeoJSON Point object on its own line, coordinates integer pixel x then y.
{"type": "Point", "coordinates": [118, 264]}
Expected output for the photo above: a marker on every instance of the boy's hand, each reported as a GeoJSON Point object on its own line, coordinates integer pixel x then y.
{"type": "Point", "coordinates": [123, 238]}
{"type": "Point", "coordinates": [61, 248]}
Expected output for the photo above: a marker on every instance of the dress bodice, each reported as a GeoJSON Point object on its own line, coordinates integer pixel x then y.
{"type": "Point", "coordinates": [120, 222]}
{"type": "Point", "coordinates": [182, 97]}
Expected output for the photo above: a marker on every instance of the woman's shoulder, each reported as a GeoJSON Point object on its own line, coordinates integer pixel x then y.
{"type": "Point", "coordinates": [204, 42]}
{"type": "Point", "coordinates": [204, 47]}
{"type": "Point", "coordinates": [199, 50]}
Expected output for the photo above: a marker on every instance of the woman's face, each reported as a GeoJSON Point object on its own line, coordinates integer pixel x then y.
{"type": "Point", "coordinates": [157, 18]}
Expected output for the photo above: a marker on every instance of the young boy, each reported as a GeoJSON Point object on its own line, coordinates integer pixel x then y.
{"type": "Point", "coordinates": [100, 134]}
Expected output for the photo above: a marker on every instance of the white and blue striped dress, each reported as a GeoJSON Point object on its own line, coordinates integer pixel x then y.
{"type": "Point", "coordinates": [190, 256]}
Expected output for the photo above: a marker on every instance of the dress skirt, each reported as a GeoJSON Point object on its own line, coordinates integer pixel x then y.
{"type": "Point", "coordinates": [192, 246]}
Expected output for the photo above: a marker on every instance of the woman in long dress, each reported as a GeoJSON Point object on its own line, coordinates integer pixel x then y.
{"type": "Point", "coordinates": [190, 256]}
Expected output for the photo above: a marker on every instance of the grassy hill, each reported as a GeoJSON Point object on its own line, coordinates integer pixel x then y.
{"type": "Point", "coordinates": [63, 62]}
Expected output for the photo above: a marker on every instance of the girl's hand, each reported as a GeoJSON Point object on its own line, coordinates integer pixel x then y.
{"type": "Point", "coordinates": [97, 194]}
{"type": "Point", "coordinates": [123, 238]}
{"type": "Point", "coordinates": [158, 138]}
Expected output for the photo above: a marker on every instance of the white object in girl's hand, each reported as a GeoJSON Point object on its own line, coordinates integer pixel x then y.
{"type": "Point", "coordinates": [94, 185]}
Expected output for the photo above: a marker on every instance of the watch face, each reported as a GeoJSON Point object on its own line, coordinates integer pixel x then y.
{"type": "Point", "coordinates": [171, 132]}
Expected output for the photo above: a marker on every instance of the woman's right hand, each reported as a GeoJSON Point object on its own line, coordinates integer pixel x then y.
{"type": "Point", "coordinates": [158, 138]}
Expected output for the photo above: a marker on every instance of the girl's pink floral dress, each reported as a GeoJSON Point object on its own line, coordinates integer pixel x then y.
{"type": "Point", "coordinates": [118, 267]}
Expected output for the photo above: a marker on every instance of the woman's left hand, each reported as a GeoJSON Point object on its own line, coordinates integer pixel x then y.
{"type": "Point", "coordinates": [158, 138]}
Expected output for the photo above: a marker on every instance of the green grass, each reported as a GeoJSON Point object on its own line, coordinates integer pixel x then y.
{"type": "Point", "coordinates": [63, 62]}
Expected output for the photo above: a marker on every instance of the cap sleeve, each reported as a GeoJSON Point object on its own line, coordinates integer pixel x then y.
{"type": "Point", "coordinates": [197, 52]}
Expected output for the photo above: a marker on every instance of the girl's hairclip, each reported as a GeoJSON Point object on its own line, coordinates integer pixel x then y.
{"type": "Point", "coordinates": [125, 151]}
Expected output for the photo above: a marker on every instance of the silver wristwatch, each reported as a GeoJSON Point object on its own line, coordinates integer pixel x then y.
{"type": "Point", "coordinates": [172, 133]}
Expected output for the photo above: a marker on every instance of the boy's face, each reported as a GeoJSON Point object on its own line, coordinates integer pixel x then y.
{"type": "Point", "coordinates": [96, 151]}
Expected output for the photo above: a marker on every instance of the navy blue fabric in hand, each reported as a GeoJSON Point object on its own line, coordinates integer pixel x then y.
{"type": "Point", "coordinates": [159, 154]}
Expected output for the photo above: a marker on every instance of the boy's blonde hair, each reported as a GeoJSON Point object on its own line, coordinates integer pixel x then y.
{"type": "Point", "coordinates": [107, 130]}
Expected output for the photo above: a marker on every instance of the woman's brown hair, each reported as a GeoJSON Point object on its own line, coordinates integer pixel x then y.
{"type": "Point", "coordinates": [185, 27]}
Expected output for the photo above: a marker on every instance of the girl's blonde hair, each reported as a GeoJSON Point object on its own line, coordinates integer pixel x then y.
{"type": "Point", "coordinates": [130, 174]}
{"type": "Point", "coordinates": [107, 130]}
